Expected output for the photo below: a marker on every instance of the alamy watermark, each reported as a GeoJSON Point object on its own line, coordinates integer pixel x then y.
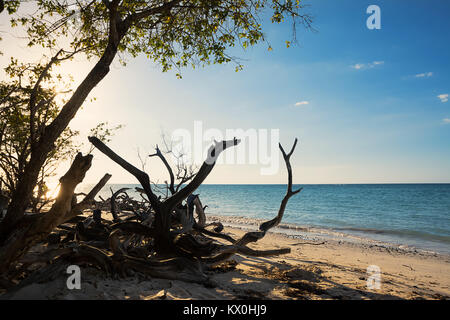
{"type": "Point", "coordinates": [374, 278]}
{"type": "Point", "coordinates": [74, 280]}
{"type": "Point", "coordinates": [257, 146]}
{"type": "Point", "coordinates": [374, 20]}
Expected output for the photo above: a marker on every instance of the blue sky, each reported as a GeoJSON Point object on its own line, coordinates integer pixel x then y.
{"type": "Point", "coordinates": [374, 107]}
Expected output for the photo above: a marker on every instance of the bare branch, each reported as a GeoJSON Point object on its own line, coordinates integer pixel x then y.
{"type": "Point", "coordinates": [113, 203]}
{"type": "Point", "coordinates": [289, 193]}
{"type": "Point", "coordinates": [89, 199]}
{"type": "Point", "coordinates": [213, 152]}
{"type": "Point", "coordinates": [141, 176]}
{"type": "Point", "coordinates": [169, 169]}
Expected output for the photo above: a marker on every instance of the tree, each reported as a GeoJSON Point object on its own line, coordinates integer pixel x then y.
{"type": "Point", "coordinates": [22, 119]}
{"type": "Point", "coordinates": [173, 33]}
{"type": "Point", "coordinates": [183, 172]}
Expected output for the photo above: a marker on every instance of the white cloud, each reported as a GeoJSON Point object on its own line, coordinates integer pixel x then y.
{"type": "Point", "coordinates": [301, 103]}
{"type": "Point", "coordinates": [369, 65]}
{"type": "Point", "coordinates": [358, 66]}
{"type": "Point", "coordinates": [375, 63]}
{"type": "Point", "coordinates": [443, 97]}
{"type": "Point", "coordinates": [446, 120]}
{"type": "Point", "coordinates": [424, 75]}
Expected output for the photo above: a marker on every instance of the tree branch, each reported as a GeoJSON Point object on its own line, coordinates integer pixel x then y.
{"type": "Point", "coordinates": [114, 205]}
{"type": "Point", "coordinates": [88, 199]}
{"type": "Point", "coordinates": [213, 152]}
{"type": "Point", "coordinates": [150, 11]}
{"type": "Point", "coordinates": [289, 193]}
{"type": "Point", "coordinates": [169, 169]}
{"type": "Point", "coordinates": [141, 176]}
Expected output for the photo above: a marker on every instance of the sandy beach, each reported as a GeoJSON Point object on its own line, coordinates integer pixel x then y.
{"type": "Point", "coordinates": [142, 143]}
{"type": "Point", "coordinates": [317, 268]}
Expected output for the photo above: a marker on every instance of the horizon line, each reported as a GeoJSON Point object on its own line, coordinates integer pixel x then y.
{"type": "Point", "coordinates": [279, 184]}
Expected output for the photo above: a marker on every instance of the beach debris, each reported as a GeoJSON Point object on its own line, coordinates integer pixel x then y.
{"type": "Point", "coordinates": [165, 236]}
{"type": "Point", "coordinates": [33, 229]}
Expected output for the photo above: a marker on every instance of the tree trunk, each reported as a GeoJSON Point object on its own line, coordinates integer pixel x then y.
{"type": "Point", "coordinates": [163, 209]}
{"type": "Point", "coordinates": [32, 229]}
{"type": "Point", "coordinates": [24, 189]}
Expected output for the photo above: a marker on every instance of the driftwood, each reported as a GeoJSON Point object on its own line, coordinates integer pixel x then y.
{"type": "Point", "coordinates": [174, 233]}
{"type": "Point", "coordinates": [33, 229]}
{"type": "Point", "coordinates": [199, 210]}
{"type": "Point", "coordinates": [114, 209]}
{"type": "Point", "coordinates": [164, 241]}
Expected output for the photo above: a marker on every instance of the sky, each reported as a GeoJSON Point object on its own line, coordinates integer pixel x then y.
{"type": "Point", "coordinates": [367, 105]}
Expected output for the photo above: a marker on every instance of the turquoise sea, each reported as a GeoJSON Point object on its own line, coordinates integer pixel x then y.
{"type": "Point", "coordinates": [416, 215]}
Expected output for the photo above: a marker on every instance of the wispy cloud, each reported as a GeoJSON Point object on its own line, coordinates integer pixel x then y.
{"type": "Point", "coordinates": [446, 120]}
{"type": "Point", "coordinates": [443, 97]}
{"type": "Point", "coordinates": [301, 103]}
{"type": "Point", "coordinates": [358, 66]}
{"type": "Point", "coordinates": [369, 65]}
{"type": "Point", "coordinates": [375, 63]}
{"type": "Point", "coordinates": [424, 75]}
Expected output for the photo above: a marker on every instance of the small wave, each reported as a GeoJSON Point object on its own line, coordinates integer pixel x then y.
{"type": "Point", "coordinates": [400, 233]}
{"type": "Point", "coordinates": [388, 238]}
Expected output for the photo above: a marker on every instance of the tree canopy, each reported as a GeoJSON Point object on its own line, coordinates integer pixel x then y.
{"type": "Point", "coordinates": [29, 101]}
{"type": "Point", "coordinates": [26, 108]}
{"type": "Point", "coordinates": [172, 33]}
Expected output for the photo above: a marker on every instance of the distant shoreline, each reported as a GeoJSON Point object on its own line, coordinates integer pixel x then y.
{"type": "Point", "coordinates": [312, 233]}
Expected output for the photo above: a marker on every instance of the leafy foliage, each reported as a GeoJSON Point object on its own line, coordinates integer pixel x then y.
{"type": "Point", "coordinates": [103, 132]}
{"type": "Point", "coordinates": [172, 33]}
{"type": "Point", "coordinates": [27, 106]}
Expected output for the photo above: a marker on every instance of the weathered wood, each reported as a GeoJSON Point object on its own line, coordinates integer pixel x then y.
{"type": "Point", "coordinates": [26, 235]}
{"type": "Point", "coordinates": [163, 209]}
{"type": "Point", "coordinates": [185, 217]}
{"type": "Point", "coordinates": [265, 226]}
{"type": "Point", "coordinates": [253, 236]}
{"type": "Point", "coordinates": [128, 247]}
{"type": "Point", "coordinates": [88, 200]}
{"type": "Point", "coordinates": [169, 169]}
{"type": "Point", "coordinates": [45, 256]}
{"type": "Point", "coordinates": [214, 151]}
{"type": "Point", "coordinates": [215, 234]}
{"type": "Point", "coordinates": [140, 175]}
{"type": "Point", "coordinates": [114, 209]}
{"type": "Point", "coordinates": [187, 243]}
{"type": "Point", "coordinates": [201, 217]}
{"type": "Point", "coordinates": [134, 227]}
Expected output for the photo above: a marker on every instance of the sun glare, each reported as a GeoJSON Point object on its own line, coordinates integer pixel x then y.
{"type": "Point", "coordinates": [53, 190]}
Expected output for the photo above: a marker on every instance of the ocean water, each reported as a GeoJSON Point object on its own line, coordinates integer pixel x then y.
{"type": "Point", "coordinates": [416, 215]}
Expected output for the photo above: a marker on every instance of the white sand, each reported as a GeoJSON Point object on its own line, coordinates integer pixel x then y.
{"type": "Point", "coordinates": [332, 270]}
